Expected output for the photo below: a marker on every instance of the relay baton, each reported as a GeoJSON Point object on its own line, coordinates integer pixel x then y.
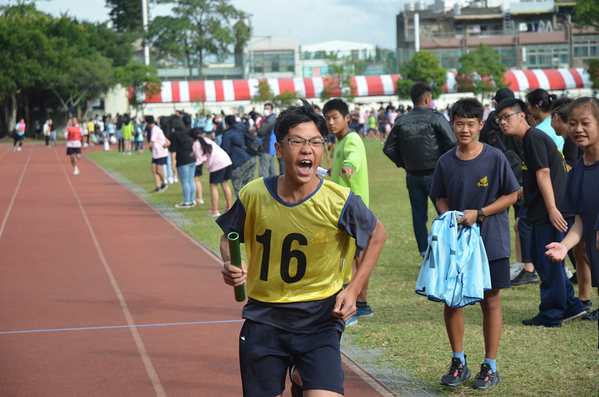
{"type": "Point", "coordinates": [235, 254]}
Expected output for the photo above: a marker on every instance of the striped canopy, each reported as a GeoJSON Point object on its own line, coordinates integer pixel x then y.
{"type": "Point", "coordinates": [243, 90]}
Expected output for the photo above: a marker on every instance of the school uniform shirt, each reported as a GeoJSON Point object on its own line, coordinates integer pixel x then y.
{"type": "Point", "coordinates": [158, 149]}
{"type": "Point", "coordinates": [199, 153]}
{"type": "Point", "coordinates": [474, 184]}
{"type": "Point", "coordinates": [181, 145]}
{"type": "Point", "coordinates": [582, 198]}
{"type": "Point", "coordinates": [350, 151]}
{"type": "Point", "coordinates": [299, 254]}
{"type": "Point", "coordinates": [73, 136]}
{"type": "Point", "coordinates": [541, 152]}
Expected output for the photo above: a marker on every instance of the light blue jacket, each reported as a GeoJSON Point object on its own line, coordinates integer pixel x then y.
{"type": "Point", "coordinates": [455, 269]}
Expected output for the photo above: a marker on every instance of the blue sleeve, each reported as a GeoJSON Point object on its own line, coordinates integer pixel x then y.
{"type": "Point", "coordinates": [233, 220]}
{"type": "Point", "coordinates": [438, 189]}
{"type": "Point", "coordinates": [357, 220]}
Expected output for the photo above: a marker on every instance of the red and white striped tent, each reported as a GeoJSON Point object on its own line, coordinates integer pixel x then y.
{"type": "Point", "coordinates": [245, 90]}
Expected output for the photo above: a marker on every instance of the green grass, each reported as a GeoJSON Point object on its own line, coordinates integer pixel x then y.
{"type": "Point", "coordinates": [408, 327]}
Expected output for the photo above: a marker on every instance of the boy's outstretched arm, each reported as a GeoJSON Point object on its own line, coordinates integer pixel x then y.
{"type": "Point", "coordinates": [345, 307]}
{"type": "Point", "coordinates": [232, 275]}
{"type": "Point", "coordinates": [557, 251]}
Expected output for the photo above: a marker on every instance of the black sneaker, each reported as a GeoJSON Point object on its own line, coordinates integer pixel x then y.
{"type": "Point", "coordinates": [588, 306]}
{"type": "Point", "coordinates": [525, 278]}
{"type": "Point", "coordinates": [533, 322]}
{"type": "Point", "coordinates": [486, 378]}
{"type": "Point", "coordinates": [157, 190]}
{"type": "Point", "coordinates": [594, 316]}
{"type": "Point", "coordinates": [457, 373]}
{"type": "Point", "coordinates": [162, 188]}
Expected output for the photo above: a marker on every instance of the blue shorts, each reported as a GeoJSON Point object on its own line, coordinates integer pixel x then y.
{"type": "Point", "coordinates": [499, 270]}
{"type": "Point", "coordinates": [221, 175]}
{"type": "Point", "coordinates": [265, 352]}
{"type": "Point", "coordinates": [73, 150]}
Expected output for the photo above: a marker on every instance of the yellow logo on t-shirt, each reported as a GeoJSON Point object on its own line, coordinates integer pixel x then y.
{"type": "Point", "coordinates": [483, 182]}
{"type": "Point", "coordinates": [320, 237]}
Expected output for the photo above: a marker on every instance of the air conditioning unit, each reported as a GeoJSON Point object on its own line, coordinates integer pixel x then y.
{"type": "Point", "coordinates": [555, 62]}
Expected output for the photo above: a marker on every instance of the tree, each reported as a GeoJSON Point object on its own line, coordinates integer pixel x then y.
{"type": "Point", "coordinates": [338, 79]}
{"type": "Point", "coordinates": [141, 79]}
{"type": "Point", "coordinates": [423, 67]}
{"type": "Point", "coordinates": [264, 94]}
{"type": "Point", "coordinates": [28, 58]}
{"type": "Point", "coordinates": [594, 73]}
{"type": "Point", "coordinates": [481, 71]}
{"type": "Point", "coordinates": [125, 15]}
{"type": "Point", "coordinates": [286, 99]}
{"type": "Point", "coordinates": [586, 14]}
{"type": "Point", "coordinates": [208, 27]}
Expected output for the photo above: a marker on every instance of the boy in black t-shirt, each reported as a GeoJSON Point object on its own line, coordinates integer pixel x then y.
{"type": "Point", "coordinates": [545, 173]}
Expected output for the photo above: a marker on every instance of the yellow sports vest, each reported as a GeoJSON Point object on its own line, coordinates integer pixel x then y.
{"type": "Point", "coordinates": [296, 252]}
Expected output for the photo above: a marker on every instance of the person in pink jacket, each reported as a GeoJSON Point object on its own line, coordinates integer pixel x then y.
{"type": "Point", "coordinates": [218, 163]}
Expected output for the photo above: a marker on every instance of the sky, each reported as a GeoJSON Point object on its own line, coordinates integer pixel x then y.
{"type": "Point", "coordinates": [312, 21]}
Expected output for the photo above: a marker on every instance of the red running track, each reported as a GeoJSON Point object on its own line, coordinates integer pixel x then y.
{"type": "Point", "coordinates": [100, 295]}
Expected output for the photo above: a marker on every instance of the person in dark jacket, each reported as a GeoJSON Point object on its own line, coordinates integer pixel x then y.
{"type": "Point", "coordinates": [415, 143]}
{"type": "Point", "coordinates": [266, 133]}
{"type": "Point", "coordinates": [244, 165]}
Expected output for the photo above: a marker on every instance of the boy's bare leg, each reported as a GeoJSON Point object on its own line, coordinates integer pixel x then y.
{"type": "Point", "coordinates": [227, 191]}
{"type": "Point", "coordinates": [454, 323]}
{"type": "Point", "coordinates": [517, 242]}
{"type": "Point", "coordinates": [583, 271]}
{"type": "Point", "coordinates": [492, 322]}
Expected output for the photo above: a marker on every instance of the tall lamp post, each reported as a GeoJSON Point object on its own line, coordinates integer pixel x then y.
{"type": "Point", "coordinates": [144, 14]}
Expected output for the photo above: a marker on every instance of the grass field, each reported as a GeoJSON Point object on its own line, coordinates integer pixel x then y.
{"type": "Point", "coordinates": [408, 327]}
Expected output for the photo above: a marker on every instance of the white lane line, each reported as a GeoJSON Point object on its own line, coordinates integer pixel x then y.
{"type": "Point", "coordinates": [14, 196]}
{"type": "Point", "coordinates": [5, 153]}
{"type": "Point", "coordinates": [158, 389]}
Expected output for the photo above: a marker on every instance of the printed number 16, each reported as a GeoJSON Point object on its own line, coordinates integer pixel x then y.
{"type": "Point", "coordinates": [286, 255]}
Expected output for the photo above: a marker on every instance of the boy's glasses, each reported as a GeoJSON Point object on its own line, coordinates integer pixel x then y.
{"type": "Point", "coordinates": [500, 119]}
{"type": "Point", "coordinates": [297, 143]}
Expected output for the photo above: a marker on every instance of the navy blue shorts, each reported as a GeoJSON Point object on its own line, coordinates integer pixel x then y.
{"type": "Point", "coordinates": [160, 160]}
{"type": "Point", "coordinates": [500, 273]}
{"type": "Point", "coordinates": [265, 351]}
{"type": "Point", "coordinates": [221, 175]}
{"type": "Point", "coordinates": [199, 170]}
{"type": "Point", "coordinates": [73, 150]}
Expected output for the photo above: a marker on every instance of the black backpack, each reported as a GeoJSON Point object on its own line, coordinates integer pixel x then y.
{"type": "Point", "coordinates": [494, 139]}
{"type": "Point", "coordinates": [252, 146]}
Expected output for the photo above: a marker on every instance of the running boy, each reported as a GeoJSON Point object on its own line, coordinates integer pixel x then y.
{"type": "Point", "coordinates": [582, 188]}
{"type": "Point", "coordinates": [349, 169]}
{"type": "Point", "coordinates": [544, 176]}
{"type": "Point", "coordinates": [74, 142]}
{"type": "Point", "coordinates": [476, 179]}
{"type": "Point", "coordinates": [299, 232]}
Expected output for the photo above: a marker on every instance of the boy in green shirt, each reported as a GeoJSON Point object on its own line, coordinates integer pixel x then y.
{"type": "Point", "coordinates": [349, 168]}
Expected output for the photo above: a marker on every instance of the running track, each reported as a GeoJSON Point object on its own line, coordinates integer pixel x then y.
{"type": "Point", "coordinates": [102, 296]}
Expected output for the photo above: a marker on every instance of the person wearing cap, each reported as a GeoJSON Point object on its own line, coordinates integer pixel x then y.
{"type": "Point", "coordinates": [522, 272]}
{"type": "Point", "coordinates": [544, 176]}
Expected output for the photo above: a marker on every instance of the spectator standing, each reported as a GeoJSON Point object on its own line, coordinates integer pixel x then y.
{"type": "Point", "coordinates": [53, 134]}
{"type": "Point", "coordinates": [544, 186]}
{"type": "Point", "coordinates": [46, 130]}
{"type": "Point", "coordinates": [119, 133]}
{"type": "Point", "coordinates": [539, 105]}
{"type": "Point", "coordinates": [181, 149]}
{"type": "Point", "coordinates": [267, 136]}
{"type": "Point", "coordinates": [159, 145]}
{"type": "Point", "coordinates": [243, 164]}
{"type": "Point", "coordinates": [218, 164]}
{"type": "Point", "coordinates": [128, 129]}
{"type": "Point", "coordinates": [415, 143]}
{"type": "Point", "coordinates": [200, 147]}
{"type": "Point", "coordinates": [349, 169]}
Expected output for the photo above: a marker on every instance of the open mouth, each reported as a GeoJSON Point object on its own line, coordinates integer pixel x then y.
{"type": "Point", "coordinates": [305, 166]}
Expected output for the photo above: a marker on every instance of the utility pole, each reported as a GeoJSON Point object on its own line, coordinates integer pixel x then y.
{"type": "Point", "coordinates": [144, 13]}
